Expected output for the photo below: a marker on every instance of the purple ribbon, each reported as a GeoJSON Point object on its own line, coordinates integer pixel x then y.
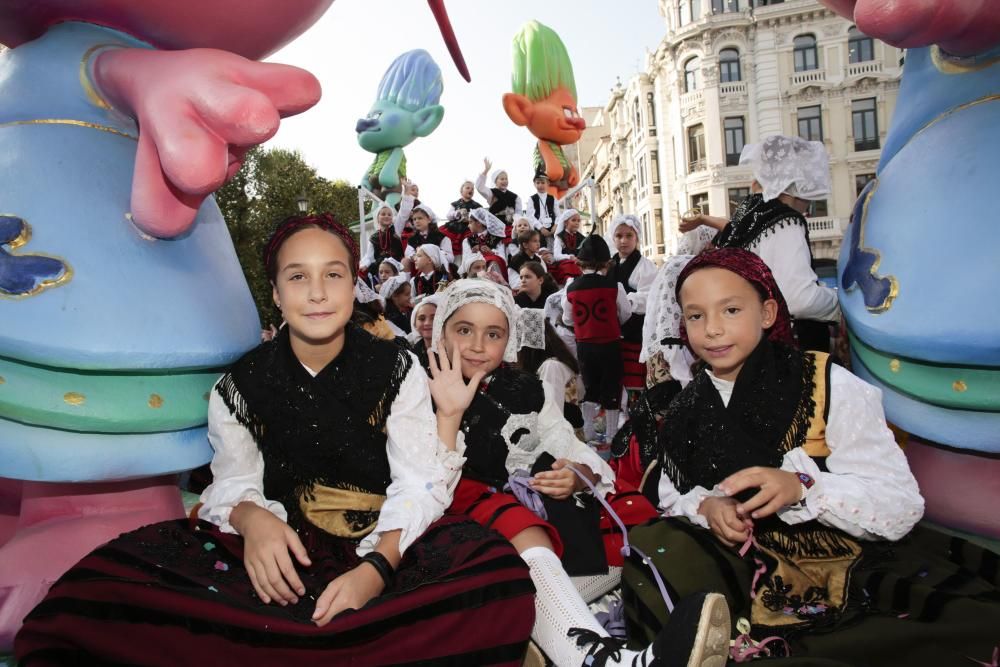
{"type": "Point", "coordinates": [613, 620]}
{"type": "Point", "coordinates": [518, 484]}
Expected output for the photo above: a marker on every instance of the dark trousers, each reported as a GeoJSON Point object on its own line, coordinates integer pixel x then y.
{"type": "Point", "coordinates": [601, 368]}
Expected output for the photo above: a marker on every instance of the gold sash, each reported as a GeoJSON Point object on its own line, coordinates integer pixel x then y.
{"type": "Point", "coordinates": [341, 512]}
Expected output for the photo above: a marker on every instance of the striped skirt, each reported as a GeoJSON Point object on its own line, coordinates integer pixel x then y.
{"type": "Point", "coordinates": [167, 594]}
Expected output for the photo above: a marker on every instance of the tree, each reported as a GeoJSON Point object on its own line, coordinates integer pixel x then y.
{"type": "Point", "coordinates": [265, 191]}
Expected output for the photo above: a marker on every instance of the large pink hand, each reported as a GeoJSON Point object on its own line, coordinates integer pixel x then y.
{"type": "Point", "coordinates": [199, 111]}
{"type": "Point", "coordinates": [962, 28]}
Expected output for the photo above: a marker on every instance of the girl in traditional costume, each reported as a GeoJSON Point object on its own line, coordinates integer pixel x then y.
{"type": "Point", "coordinates": [568, 241]}
{"type": "Point", "coordinates": [430, 270]}
{"type": "Point", "coordinates": [535, 285]}
{"type": "Point", "coordinates": [422, 326]}
{"type": "Point", "coordinates": [487, 240]}
{"type": "Point", "coordinates": [457, 226]}
{"type": "Point", "coordinates": [385, 242]}
{"type": "Point", "coordinates": [427, 232]}
{"type": "Point", "coordinates": [397, 297]}
{"type": "Point", "coordinates": [331, 477]}
{"type": "Point", "coordinates": [514, 436]}
{"type": "Point", "coordinates": [503, 203]}
{"type": "Point", "coordinates": [787, 492]}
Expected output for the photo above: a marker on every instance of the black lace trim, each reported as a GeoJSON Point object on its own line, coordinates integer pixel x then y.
{"type": "Point", "coordinates": [755, 219]}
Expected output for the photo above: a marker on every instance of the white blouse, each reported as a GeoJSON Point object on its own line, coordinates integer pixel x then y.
{"type": "Point", "coordinates": [869, 491]}
{"type": "Point", "coordinates": [424, 472]}
{"type": "Point", "coordinates": [398, 224]}
{"type": "Point", "coordinates": [487, 194]}
{"type": "Point", "coordinates": [555, 375]}
{"type": "Point", "coordinates": [786, 252]}
{"type": "Point", "coordinates": [641, 280]}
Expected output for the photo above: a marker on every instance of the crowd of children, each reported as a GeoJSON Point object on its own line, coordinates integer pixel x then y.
{"type": "Point", "coordinates": [412, 470]}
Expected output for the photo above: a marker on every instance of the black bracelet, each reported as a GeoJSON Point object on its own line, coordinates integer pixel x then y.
{"type": "Point", "coordinates": [381, 564]}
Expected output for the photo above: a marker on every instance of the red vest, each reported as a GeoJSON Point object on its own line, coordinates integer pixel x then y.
{"type": "Point", "coordinates": [594, 299]}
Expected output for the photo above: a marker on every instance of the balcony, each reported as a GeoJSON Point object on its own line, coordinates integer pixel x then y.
{"type": "Point", "coordinates": [823, 228]}
{"type": "Point", "coordinates": [867, 68]}
{"type": "Point", "coordinates": [697, 165]}
{"type": "Point", "coordinates": [691, 99]}
{"type": "Point", "coordinates": [809, 77]}
{"type": "Point", "coordinates": [733, 88]}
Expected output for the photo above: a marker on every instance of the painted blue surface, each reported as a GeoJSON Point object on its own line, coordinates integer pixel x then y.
{"type": "Point", "coordinates": [963, 429]}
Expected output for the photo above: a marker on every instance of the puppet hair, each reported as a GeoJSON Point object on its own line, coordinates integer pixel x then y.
{"type": "Point", "coordinates": [541, 63]}
{"type": "Point", "coordinates": [413, 81]}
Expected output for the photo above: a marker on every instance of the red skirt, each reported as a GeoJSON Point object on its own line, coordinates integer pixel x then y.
{"type": "Point", "coordinates": [504, 514]}
{"type": "Point", "coordinates": [565, 269]}
{"type": "Point", "coordinates": [634, 371]}
{"type": "Point", "coordinates": [169, 595]}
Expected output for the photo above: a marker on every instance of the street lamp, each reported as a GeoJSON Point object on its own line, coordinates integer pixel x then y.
{"type": "Point", "coordinates": [302, 203]}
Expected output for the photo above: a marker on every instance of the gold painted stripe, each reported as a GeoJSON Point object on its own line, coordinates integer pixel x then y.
{"type": "Point", "coordinates": [70, 121]}
{"type": "Point", "coordinates": [88, 86]}
{"type": "Point", "coordinates": [954, 65]}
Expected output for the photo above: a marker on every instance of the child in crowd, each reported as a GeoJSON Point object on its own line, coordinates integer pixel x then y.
{"type": "Point", "coordinates": [430, 271]}
{"type": "Point", "coordinates": [461, 207]}
{"type": "Point", "coordinates": [457, 227]}
{"type": "Point", "coordinates": [413, 190]}
{"type": "Point", "coordinates": [487, 240]}
{"type": "Point", "coordinates": [369, 314]}
{"type": "Point", "coordinates": [421, 327]}
{"type": "Point", "coordinates": [522, 223]}
{"type": "Point", "coordinates": [544, 208]}
{"type": "Point", "coordinates": [473, 265]}
{"type": "Point", "coordinates": [780, 451]}
{"type": "Point", "coordinates": [554, 316]}
{"type": "Point", "coordinates": [502, 202]}
{"type": "Point", "coordinates": [559, 372]}
{"type": "Point", "coordinates": [530, 250]}
{"type": "Point", "coordinates": [566, 245]}
{"type": "Point", "coordinates": [636, 274]}
{"type": "Point", "coordinates": [331, 477]}
{"type": "Point", "coordinates": [426, 232]}
{"type": "Point", "coordinates": [596, 306]}
{"type": "Point", "coordinates": [396, 293]}
{"type": "Point", "coordinates": [513, 434]}
{"type": "Point", "coordinates": [535, 285]}
{"type": "Point", "coordinates": [385, 241]}
{"type": "Point", "coordinates": [788, 173]}
{"type": "Point", "coordinates": [389, 267]}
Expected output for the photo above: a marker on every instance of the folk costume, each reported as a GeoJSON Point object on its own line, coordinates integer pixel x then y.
{"type": "Point", "coordinates": [546, 210]}
{"type": "Point", "coordinates": [842, 575]}
{"type": "Point", "coordinates": [566, 246]}
{"type": "Point", "coordinates": [488, 243]}
{"type": "Point", "coordinates": [386, 242]}
{"type": "Point", "coordinates": [513, 429]}
{"type": "Point", "coordinates": [388, 289]}
{"type": "Point", "coordinates": [504, 204]}
{"type": "Point", "coordinates": [432, 236]}
{"type": "Point", "coordinates": [636, 274]}
{"type": "Point", "coordinates": [426, 284]}
{"type": "Point", "coordinates": [343, 454]}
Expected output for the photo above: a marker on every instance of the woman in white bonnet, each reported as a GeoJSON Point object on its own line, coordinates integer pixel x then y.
{"type": "Point", "coordinates": [788, 173]}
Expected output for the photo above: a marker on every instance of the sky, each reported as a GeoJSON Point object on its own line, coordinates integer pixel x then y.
{"type": "Point", "coordinates": [349, 49]}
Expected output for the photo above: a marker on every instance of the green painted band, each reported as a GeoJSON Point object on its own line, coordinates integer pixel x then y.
{"type": "Point", "coordinates": [957, 387]}
{"type": "Point", "coordinates": [104, 401]}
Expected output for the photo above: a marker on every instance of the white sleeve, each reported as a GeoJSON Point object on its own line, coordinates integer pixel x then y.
{"type": "Point", "coordinates": [674, 503]}
{"type": "Point", "coordinates": [453, 213]}
{"type": "Point", "coordinates": [424, 473]}
{"type": "Point", "coordinates": [483, 190]}
{"type": "Point", "coordinates": [559, 440]}
{"type": "Point", "coordinates": [518, 205]}
{"type": "Point", "coordinates": [466, 247]}
{"type": "Point", "coordinates": [410, 251]}
{"type": "Point", "coordinates": [557, 250]}
{"type": "Point", "coordinates": [786, 252]}
{"type": "Point", "coordinates": [624, 307]}
{"type": "Point", "coordinates": [641, 280]}
{"type": "Point", "coordinates": [567, 307]}
{"type": "Point", "coordinates": [237, 469]}
{"type": "Point", "coordinates": [554, 375]}
{"type": "Point", "coordinates": [446, 250]}
{"type": "Point", "coordinates": [369, 255]}
{"type": "Point", "coordinates": [405, 209]}
{"type": "Point", "coordinates": [869, 491]}
{"type": "Point", "coordinates": [513, 279]}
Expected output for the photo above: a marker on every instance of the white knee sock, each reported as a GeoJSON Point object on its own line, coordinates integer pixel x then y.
{"type": "Point", "coordinates": [589, 411]}
{"type": "Point", "coordinates": [591, 588]}
{"type": "Point", "coordinates": [559, 607]}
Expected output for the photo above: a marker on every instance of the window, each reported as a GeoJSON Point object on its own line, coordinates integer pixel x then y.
{"type": "Point", "coordinates": [729, 65]}
{"type": "Point", "coordinates": [651, 113]}
{"type": "Point", "coordinates": [806, 57]}
{"type": "Point", "coordinates": [641, 170]}
{"type": "Point", "coordinates": [860, 181]}
{"type": "Point", "coordinates": [865, 124]}
{"type": "Point", "coordinates": [737, 195]}
{"type": "Point", "coordinates": [735, 138]}
{"type": "Point", "coordinates": [860, 47]}
{"type": "Point", "coordinates": [696, 148]}
{"type": "Point", "coordinates": [719, 6]}
{"type": "Point", "coordinates": [695, 10]}
{"type": "Point", "coordinates": [654, 163]}
{"type": "Point", "coordinates": [637, 115]}
{"type": "Point", "coordinates": [691, 74]}
{"type": "Point", "coordinates": [811, 123]}
{"type": "Point", "coordinates": [817, 209]}
{"type": "Point", "coordinates": [701, 201]}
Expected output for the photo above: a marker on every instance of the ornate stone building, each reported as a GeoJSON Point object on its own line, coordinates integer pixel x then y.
{"type": "Point", "coordinates": [727, 73]}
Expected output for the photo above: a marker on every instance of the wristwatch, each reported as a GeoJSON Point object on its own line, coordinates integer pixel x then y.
{"type": "Point", "coordinates": [806, 482]}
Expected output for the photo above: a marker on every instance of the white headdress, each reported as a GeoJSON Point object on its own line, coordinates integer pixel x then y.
{"type": "Point", "coordinates": [494, 175]}
{"type": "Point", "coordinates": [394, 263]}
{"type": "Point", "coordinates": [530, 218]}
{"type": "Point", "coordinates": [629, 220]}
{"type": "Point", "coordinates": [526, 325]}
{"type": "Point", "coordinates": [696, 240]}
{"type": "Point", "coordinates": [468, 259]}
{"type": "Point", "coordinates": [493, 224]}
{"type": "Point", "coordinates": [661, 330]}
{"type": "Point", "coordinates": [392, 285]}
{"type": "Point", "coordinates": [789, 164]}
{"type": "Point", "coordinates": [427, 300]}
{"type": "Point", "coordinates": [365, 294]}
{"type": "Point", "coordinates": [426, 209]}
{"type": "Point", "coordinates": [434, 252]}
{"type": "Point", "coordinates": [563, 217]}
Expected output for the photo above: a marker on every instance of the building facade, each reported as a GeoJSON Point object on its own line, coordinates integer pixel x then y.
{"type": "Point", "coordinates": [729, 73]}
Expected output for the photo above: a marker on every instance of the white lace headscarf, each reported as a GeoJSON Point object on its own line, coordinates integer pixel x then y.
{"type": "Point", "coordinates": [426, 209]}
{"type": "Point", "coordinates": [526, 326]}
{"type": "Point", "coordinates": [530, 218]}
{"type": "Point", "coordinates": [493, 224]}
{"type": "Point", "coordinates": [365, 294]}
{"type": "Point", "coordinates": [494, 175]}
{"type": "Point", "coordinates": [789, 164]}
{"type": "Point", "coordinates": [468, 259]}
{"type": "Point", "coordinates": [661, 330]}
{"type": "Point", "coordinates": [629, 220]}
{"type": "Point", "coordinates": [563, 217]}
{"type": "Point", "coordinates": [696, 240]}
{"type": "Point", "coordinates": [434, 252]}
{"type": "Point", "coordinates": [429, 300]}
{"type": "Point", "coordinates": [381, 205]}
{"type": "Point", "coordinates": [392, 285]}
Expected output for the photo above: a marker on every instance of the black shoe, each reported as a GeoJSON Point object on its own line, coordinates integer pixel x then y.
{"type": "Point", "coordinates": [696, 635]}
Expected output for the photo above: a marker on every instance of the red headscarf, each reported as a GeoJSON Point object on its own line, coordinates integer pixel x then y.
{"type": "Point", "coordinates": [751, 268]}
{"type": "Point", "coordinates": [289, 226]}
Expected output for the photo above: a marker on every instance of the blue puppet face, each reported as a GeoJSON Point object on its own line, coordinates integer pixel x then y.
{"type": "Point", "coordinates": [388, 125]}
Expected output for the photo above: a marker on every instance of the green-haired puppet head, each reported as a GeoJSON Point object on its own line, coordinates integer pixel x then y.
{"type": "Point", "coordinates": [541, 63]}
{"type": "Point", "coordinates": [407, 104]}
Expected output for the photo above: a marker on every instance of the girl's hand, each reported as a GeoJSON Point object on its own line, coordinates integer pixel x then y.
{"type": "Point", "coordinates": [351, 590]}
{"type": "Point", "coordinates": [561, 482]}
{"type": "Point", "coordinates": [451, 394]}
{"type": "Point", "coordinates": [724, 520]}
{"type": "Point", "coordinates": [778, 489]}
{"type": "Point", "coordinates": [266, 543]}
{"type": "Point", "coordinates": [486, 165]}
{"type": "Point", "coordinates": [405, 185]}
